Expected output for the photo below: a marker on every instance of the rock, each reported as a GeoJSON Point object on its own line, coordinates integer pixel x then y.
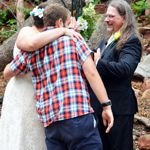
{"type": "Point", "coordinates": [144, 142]}
{"type": "Point", "coordinates": [143, 68]}
{"type": "Point", "coordinates": [148, 49]}
{"type": "Point", "coordinates": [137, 92]}
{"type": "Point", "coordinates": [144, 120]}
{"type": "Point", "coordinates": [146, 84]}
{"type": "Point", "coordinates": [98, 34]}
{"type": "Point", "coordinates": [146, 94]}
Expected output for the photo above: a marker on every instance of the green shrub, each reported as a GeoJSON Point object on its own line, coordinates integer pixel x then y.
{"type": "Point", "coordinates": [87, 21]}
{"type": "Point", "coordinates": [139, 7]}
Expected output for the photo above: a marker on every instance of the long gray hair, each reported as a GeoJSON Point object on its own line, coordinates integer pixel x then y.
{"type": "Point", "coordinates": [130, 26]}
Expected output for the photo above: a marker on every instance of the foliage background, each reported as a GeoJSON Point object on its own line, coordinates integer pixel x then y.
{"type": "Point", "coordinates": [8, 19]}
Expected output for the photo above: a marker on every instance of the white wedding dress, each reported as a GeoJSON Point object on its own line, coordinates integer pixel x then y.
{"type": "Point", "coordinates": [20, 128]}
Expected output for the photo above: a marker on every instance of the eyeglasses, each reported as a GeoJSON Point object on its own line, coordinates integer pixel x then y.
{"type": "Point", "coordinates": [109, 16]}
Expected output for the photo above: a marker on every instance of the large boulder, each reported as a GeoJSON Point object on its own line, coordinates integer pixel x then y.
{"type": "Point", "coordinates": [143, 69]}
{"type": "Point", "coordinates": [144, 142]}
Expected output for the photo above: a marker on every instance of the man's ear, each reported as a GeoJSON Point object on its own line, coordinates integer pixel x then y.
{"type": "Point", "coordinates": [59, 23]}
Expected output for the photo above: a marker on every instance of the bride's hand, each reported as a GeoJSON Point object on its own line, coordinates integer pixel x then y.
{"type": "Point", "coordinates": [72, 33]}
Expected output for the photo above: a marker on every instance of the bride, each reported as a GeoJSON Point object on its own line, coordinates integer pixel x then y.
{"type": "Point", "coordinates": [20, 128]}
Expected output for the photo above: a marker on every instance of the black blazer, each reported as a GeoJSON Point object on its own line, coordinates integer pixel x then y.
{"type": "Point", "coordinates": [116, 68]}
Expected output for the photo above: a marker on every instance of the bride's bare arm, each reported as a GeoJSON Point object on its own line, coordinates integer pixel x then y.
{"type": "Point", "coordinates": [29, 40]}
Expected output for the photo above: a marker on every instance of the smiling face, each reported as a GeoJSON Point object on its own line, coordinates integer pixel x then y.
{"type": "Point", "coordinates": [113, 20]}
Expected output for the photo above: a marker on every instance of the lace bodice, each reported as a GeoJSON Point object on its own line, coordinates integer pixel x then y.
{"type": "Point", "coordinates": [15, 51]}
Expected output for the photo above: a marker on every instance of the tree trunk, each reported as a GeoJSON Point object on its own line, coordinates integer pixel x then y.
{"type": "Point", "coordinates": [19, 13]}
{"type": "Point", "coordinates": [6, 49]}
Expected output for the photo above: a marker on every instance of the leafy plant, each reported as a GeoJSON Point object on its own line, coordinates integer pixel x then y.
{"type": "Point", "coordinates": [3, 17]}
{"type": "Point", "coordinates": [139, 7]}
{"type": "Point", "coordinates": [4, 34]}
{"type": "Point", "coordinates": [87, 21]}
{"type": "Point", "coordinates": [11, 22]}
{"type": "Point", "coordinates": [9, 29]}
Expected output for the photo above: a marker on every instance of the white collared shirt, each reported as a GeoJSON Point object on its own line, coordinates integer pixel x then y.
{"type": "Point", "coordinates": [111, 39]}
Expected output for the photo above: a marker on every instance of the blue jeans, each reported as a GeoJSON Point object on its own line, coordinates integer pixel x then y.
{"type": "Point", "coordinates": [78, 133]}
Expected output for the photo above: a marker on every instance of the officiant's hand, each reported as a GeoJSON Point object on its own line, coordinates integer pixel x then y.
{"type": "Point", "coordinates": [97, 56]}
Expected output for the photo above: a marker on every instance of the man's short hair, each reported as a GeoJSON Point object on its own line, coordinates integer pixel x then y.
{"type": "Point", "coordinates": [54, 12]}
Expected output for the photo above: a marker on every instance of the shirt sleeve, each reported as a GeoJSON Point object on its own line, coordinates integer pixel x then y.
{"type": "Point", "coordinates": [20, 63]}
{"type": "Point", "coordinates": [83, 50]}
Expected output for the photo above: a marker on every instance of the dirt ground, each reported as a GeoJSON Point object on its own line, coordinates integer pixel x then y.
{"type": "Point", "coordinates": [144, 109]}
{"type": "Point", "coordinates": [143, 104]}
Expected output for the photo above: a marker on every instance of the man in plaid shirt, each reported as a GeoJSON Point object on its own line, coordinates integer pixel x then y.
{"type": "Point", "coordinates": [60, 71]}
